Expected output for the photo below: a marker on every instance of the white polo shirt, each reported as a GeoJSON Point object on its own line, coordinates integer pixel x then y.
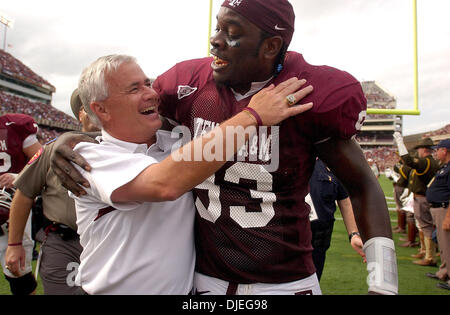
{"type": "Point", "coordinates": [138, 248]}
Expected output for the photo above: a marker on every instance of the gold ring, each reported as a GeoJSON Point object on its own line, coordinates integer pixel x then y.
{"type": "Point", "coordinates": [291, 100]}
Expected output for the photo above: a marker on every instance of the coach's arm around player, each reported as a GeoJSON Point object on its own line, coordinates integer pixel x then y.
{"type": "Point", "coordinates": [141, 189]}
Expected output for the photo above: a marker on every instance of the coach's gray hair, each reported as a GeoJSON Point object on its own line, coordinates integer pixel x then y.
{"type": "Point", "coordinates": [92, 85]}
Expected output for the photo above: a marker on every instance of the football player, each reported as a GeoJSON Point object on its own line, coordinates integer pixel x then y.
{"type": "Point", "coordinates": [253, 235]}
{"type": "Point", "coordinates": [18, 144]}
{"type": "Point", "coordinates": [60, 247]}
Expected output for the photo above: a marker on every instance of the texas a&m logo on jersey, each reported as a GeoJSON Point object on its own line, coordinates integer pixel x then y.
{"type": "Point", "coordinates": [185, 91]}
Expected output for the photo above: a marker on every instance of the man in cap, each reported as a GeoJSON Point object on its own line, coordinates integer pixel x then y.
{"type": "Point", "coordinates": [61, 249]}
{"type": "Point", "coordinates": [424, 167]}
{"type": "Point", "coordinates": [438, 196]}
{"type": "Point", "coordinates": [253, 235]}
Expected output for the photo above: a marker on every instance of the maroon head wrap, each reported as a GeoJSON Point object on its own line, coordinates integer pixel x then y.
{"type": "Point", "coordinates": [275, 17]}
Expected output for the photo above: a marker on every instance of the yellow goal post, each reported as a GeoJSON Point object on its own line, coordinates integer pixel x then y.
{"type": "Point", "coordinates": [416, 110]}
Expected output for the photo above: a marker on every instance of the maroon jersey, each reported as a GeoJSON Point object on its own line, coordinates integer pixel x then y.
{"type": "Point", "coordinates": [14, 129]}
{"type": "Point", "coordinates": [252, 223]}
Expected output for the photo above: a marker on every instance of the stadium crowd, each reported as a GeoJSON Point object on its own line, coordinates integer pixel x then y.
{"type": "Point", "coordinates": [15, 104]}
{"type": "Point", "coordinates": [385, 157]}
{"type": "Point", "coordinates": [440, 132]}
{"type": "Point", "coordinates": [39, 111]}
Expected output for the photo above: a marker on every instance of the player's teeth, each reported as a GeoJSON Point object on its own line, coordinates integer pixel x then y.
{"type": "Point", "coordinates": [219, 61]}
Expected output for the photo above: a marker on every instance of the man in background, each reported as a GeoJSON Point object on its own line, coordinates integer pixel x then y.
{"type": "Point", "coordinates": [325, 191]}
{"type": "Point", "coordinates": [438, 196]}
{"type": "Point", "coordinates": [424, 167]}
{"type": "Point", "coordinates": [61, 249]}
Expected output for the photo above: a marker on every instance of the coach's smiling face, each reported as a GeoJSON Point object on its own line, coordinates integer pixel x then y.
{"type": "Point", "coordinates": [241, 54]}
{"type": "Point", "coordinates": [130, 113]}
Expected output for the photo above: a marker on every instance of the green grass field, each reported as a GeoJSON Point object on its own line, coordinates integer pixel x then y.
{"type": "Point", "coordinates": [345, 273]}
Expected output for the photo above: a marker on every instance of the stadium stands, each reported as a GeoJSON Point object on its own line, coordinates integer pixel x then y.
{"type": "Point", "coordinates": [436, 136]}
{"type": "Point", "coordinates": [376, 136]}
{"type": "Point", "coordinates": [441, 132]}
{"type": "Point", "coordinates": [13, 67]}
{"type": "Point", "coordinates": [23, 91]}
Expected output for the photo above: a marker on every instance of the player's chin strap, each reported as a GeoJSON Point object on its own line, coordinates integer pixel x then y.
{"type": "Point", "coordinates": [381, 265]}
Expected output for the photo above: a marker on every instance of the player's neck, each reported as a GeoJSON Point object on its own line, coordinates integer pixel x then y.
{"type": "Point", "coordinates": [255, 87]}
{"type": "Point", "coordinates": [258, 84]}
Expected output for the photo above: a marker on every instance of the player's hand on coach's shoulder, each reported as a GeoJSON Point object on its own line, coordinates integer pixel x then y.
{"type": "Point", "coordinates": [61, 157]}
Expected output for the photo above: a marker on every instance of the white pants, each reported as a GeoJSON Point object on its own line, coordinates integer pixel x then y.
{"type": "Point", "coordinates": [206, 285]}
{"type": "Point", "coordinates": [27, 243]}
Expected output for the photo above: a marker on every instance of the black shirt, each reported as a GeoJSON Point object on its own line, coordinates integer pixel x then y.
{"type": "Point", "coordinates": [325, 190]}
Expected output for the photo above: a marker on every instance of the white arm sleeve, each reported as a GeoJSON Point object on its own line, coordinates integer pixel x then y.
{"type": "Point", "coordinates": [381, 265]}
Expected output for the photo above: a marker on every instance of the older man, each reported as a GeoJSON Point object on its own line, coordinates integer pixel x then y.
{"type": "Point", "coordinates": [147, 247]}
{"type": "Point", "coordinates": [253, 232]}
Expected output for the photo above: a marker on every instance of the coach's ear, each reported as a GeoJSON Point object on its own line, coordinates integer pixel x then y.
{"type": "Point", "coordinates": [101, 111]}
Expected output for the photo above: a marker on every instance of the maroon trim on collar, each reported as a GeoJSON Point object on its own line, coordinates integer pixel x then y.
{"type": "Point", "coordinates": [103, 212]}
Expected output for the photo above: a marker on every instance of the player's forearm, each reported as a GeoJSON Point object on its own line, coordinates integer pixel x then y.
{"type": "Point", "coordinates": [18, 216]}
{"type": "Point", "coordinates": [368, 202]}
{"type": "Point", "coordinates": [345, 206]}
{"type": "Point", "coordinates": [190, 165]}
{"type": "Point", "coordinates": [347, 162]}
{"type": "Point", "coordinates": [371, 212]}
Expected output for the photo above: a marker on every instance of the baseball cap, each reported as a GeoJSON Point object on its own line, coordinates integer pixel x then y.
{"type": "Point", "coordinates": [75, 103]}
{"type": "Point", "coordinates": [275, 17]}
{"type": "Point", "coordinates": [443, 144]}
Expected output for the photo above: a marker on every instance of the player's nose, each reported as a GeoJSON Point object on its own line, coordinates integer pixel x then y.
{"type": "Point", "coordinates": [217, 41]}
